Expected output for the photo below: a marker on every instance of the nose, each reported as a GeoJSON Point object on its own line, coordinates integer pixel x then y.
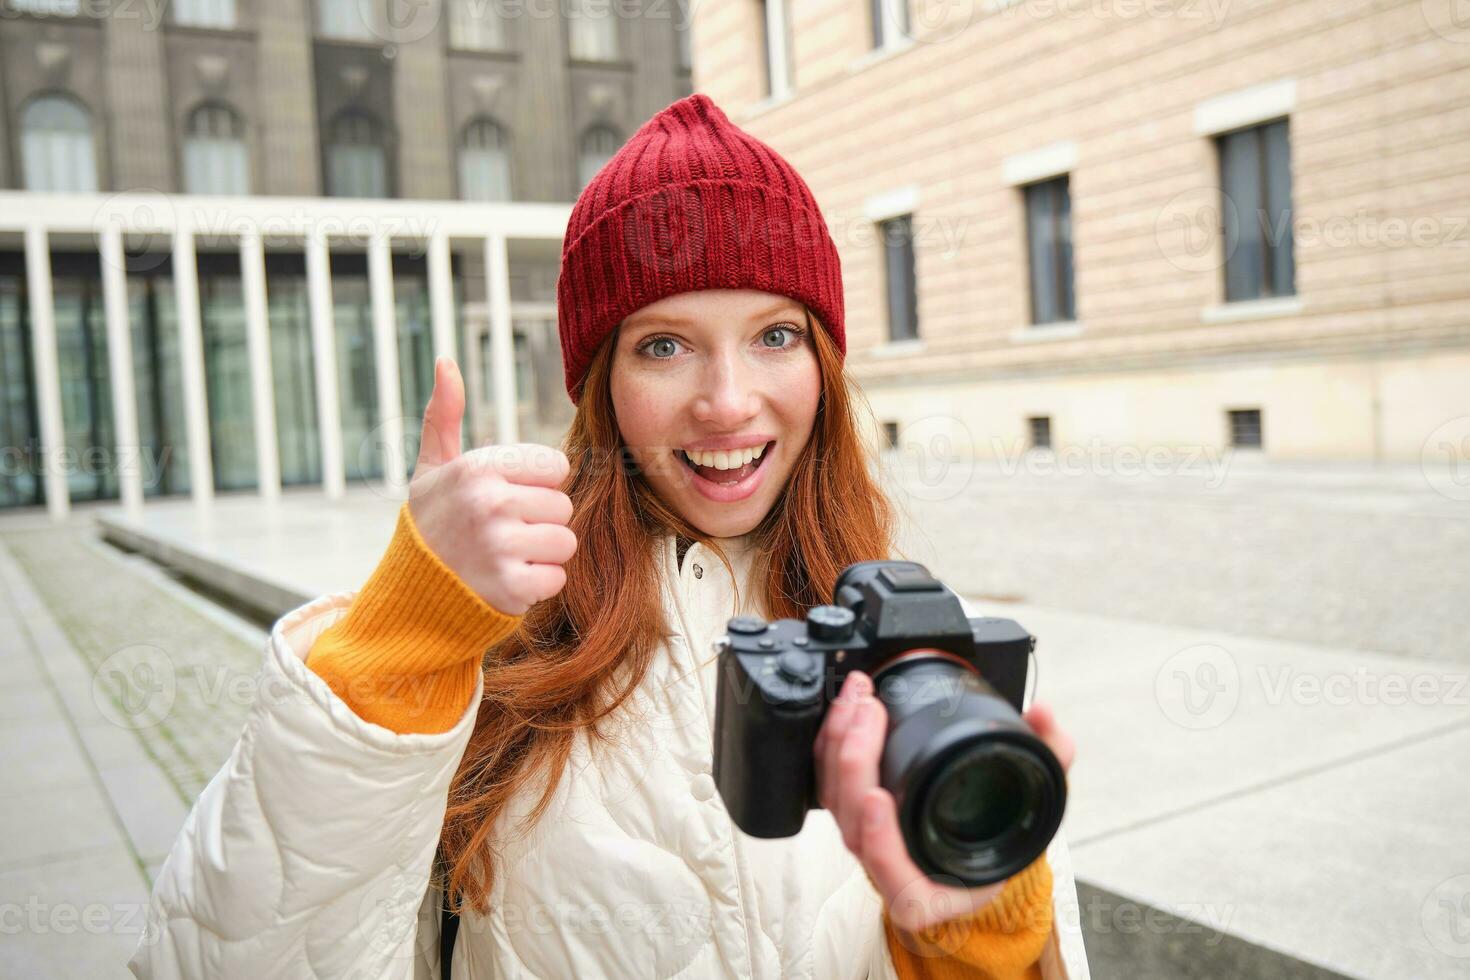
{"type": "Point", "coordinates": [728, 398]}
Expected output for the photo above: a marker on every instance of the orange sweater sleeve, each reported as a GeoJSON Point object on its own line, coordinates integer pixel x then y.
{"type": "Point", "coordinates": [407, 654]}
{"type": "Point", "coordinates": [1002, 941]}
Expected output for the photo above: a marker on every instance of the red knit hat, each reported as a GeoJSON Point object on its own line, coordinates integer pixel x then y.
{"type": "Point", "coordinates": [691, 201]}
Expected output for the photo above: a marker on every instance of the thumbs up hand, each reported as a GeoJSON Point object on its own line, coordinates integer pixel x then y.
{"type": "Point", "coordinates": [495, 515]}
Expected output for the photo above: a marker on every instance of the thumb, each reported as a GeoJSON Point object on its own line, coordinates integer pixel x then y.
{"type": "Point", "coordinates": [439, 443]}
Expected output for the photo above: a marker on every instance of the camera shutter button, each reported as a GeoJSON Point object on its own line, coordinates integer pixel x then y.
{"type": "Point", "coordinates": [796, 667]}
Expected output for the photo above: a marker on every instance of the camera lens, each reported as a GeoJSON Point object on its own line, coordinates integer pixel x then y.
{"type": "Point", "coordinates": [978, 799]}
{"type": "Point", "coordinates": [980, 796]}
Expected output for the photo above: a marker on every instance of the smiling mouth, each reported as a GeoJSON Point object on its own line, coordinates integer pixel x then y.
{"type": "Point", "coordinates": [726, 478]}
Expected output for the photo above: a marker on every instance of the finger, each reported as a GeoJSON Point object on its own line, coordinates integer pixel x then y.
{"type": "Point", "coordinates": [912, 899]}
{"type": "Point", "coordinates": [547, 544]}
{"type": "Point", "coordinates": [885, 854]}
{"type": "Point", "coordinates": [525, 463]}
{"type": "Point", "coordinates": [542, 581]}
{"type": "Point", "coordinates": [1043, 722]}
{"type": "Point", "coordinates": [538, 505]}
{"type": "Point", "coordinates": [857, 766]}
{"type": "Point", "coordinates": [439, 442]}
{"type": "Point", "coordinates": [829, 737]}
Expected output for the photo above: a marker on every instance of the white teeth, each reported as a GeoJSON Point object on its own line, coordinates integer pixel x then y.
{"type": "Point", "coordinates": [726, 459]}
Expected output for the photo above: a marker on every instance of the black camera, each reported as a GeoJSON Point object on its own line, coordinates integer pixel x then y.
{"type": "Point", "coordinates": [979, 795]}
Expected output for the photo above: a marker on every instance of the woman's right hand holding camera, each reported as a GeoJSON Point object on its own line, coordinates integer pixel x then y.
{"type": "Point", "coordinates": [496, 515]}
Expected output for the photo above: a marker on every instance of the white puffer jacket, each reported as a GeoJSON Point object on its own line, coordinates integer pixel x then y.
{"type": "Point", "coordinates": [309, 853]}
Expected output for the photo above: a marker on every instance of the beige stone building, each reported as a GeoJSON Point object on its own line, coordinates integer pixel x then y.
{"type": "Point", "coordinates": [1141, 223]}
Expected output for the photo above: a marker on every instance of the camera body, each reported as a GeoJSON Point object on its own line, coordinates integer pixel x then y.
{"type": "Point", "coordinates": [952, 685]}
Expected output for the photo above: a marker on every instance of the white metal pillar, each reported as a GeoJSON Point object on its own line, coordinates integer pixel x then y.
{"type": "Point", "coordinates": [441, 297]}
{"type": "Point", "coordinates": [191, 358]}
{"type": "Point", "coordinates": [258, 348]}
{"type": "Point", "coordinates": [441, 319]}
{"type": "Point", "coordinates": [324, 354]}
{"type": "Point", "coordinates": [120, 369]}
{"type": "Point", "coordinates": [385, 355]}
{"type": "Point", "coordinates": [48, 372]}
{"type": "Point", "coordinates": [502, 348]}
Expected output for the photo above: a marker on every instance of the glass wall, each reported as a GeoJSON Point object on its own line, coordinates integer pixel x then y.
{"type": "Point", "coordinates": [293, 370]}
{"type": "Point", "coordinates": [227, 372]}
{"type": "Point", "coordinates": [91, 458]}
{"type": "Point", "coordinates": [157, 377]}
{"type": "Point", "coordinates": [20, 438]}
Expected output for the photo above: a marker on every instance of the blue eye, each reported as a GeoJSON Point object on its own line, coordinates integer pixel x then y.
{"type": "Point", "coordinates": [657, 347]}
{"type": "Point", "coordinates": [652, 342]}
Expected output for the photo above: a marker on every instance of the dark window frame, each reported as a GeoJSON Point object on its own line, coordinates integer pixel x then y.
{"type": "Point", "coordinates": [1264, 268]}
{"type": "Point", "coordinates": [897, 237]}
{"type": "Point", "coordinates": [1053, 290]}
{"type": "Point", "coordinates": [1243, 421]}
{"type": "Point", "coordinates": [1038, 430]}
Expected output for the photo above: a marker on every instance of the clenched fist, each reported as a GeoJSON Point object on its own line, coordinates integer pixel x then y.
{"type": "Point", "coordinates": [495, 515]}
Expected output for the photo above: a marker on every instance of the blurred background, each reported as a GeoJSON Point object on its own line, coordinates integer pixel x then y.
{"type": "Point", "coordinates": [1162, 309]}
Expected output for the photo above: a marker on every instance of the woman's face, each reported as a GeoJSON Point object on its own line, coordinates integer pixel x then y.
{"type": "Point", "coordinates": [714, 372]}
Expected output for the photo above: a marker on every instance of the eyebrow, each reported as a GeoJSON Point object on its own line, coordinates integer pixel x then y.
{"type": "Point", "coordinates": [649, 320]}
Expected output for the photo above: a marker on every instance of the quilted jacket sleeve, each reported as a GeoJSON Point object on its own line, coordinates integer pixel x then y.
{"type": "Point", "coordinates": [308, 854]}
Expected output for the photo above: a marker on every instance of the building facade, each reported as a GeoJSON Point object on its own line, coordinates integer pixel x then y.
{"type": "Point", "coordinates": [196, 107]}
{"type": "Point", "coordinates": [1151, 224]}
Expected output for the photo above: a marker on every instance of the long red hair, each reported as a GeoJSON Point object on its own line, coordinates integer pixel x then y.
{"type": "Point", "coordinates": [557, 674]}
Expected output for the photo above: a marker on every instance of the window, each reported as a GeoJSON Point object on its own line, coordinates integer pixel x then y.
{"type": "Point", "coordinates": [351, 20]}
{"type": "Point", "coordinates": [592, 30]}
{"type": "Point", "coordinates": [1039, 428]}
{"type": "Point", "coordinates": [357, 162]}
{"type": "Point", "coordinates": [890, 21]}
{"type": "Point", "coordinates": [683, 24]}
{"type": "Point", "coordinates": [57, 153]}
{"type": "Point", "coordinates": [777, 40]}
{"type": "Point", "coordinates": [1049, 248]}
{"type": "Point", "coordinates": [898, 268]}
{"type": "Point", "coordinates": [890, 435]}
{"type": "Point", "coordinates": [205, 13]}
{"type": "Point", "coordinates": [484, 162]}
{"type": "Point", "coordinates": [1245, 428]}
{"type": "Point", "coordinates": [215, 159]}
{"type": "Point", "coordinates": [1255, 179]}
{"type": "Point", "coordinates": [597, 146]}
{"type": "Point", "coordinates": [475, 25]}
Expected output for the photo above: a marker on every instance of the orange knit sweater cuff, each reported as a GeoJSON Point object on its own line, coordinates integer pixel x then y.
{"type": "Point", "coordinates": [407, 653]}
{"type": "Point", "coordinates": [1003, 940]}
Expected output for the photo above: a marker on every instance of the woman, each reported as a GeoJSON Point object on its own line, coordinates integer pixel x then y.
{"type": "Point", "coordinates": [557, 787]}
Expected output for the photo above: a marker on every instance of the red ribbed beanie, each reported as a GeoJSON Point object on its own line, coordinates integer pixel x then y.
{"type": "Point", "coordinates": [691, 201]}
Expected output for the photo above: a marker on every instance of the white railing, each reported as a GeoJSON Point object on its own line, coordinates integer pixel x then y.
{"type": "Point", "coordinates": [257, 224]}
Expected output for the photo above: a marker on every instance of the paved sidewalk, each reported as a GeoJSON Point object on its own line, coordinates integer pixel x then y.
{"type": "Point", "coordinates": [1276, 760]}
